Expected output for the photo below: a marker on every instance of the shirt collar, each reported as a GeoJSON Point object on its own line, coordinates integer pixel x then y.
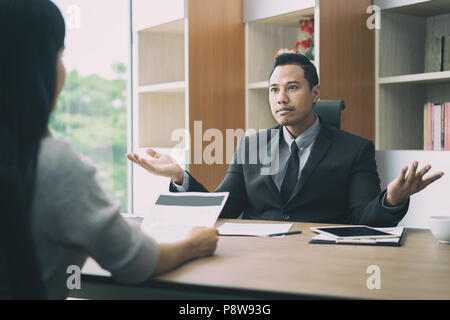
{"type": "Point", "coordinates": [306, 138]}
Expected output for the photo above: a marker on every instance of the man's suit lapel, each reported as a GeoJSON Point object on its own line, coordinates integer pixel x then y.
{"type": "Point", "coordinates": [319, 150]}
{"type": "Point", "coordinates": [273, 150]}
{"type": "Point", "coordinates": [272, 187]}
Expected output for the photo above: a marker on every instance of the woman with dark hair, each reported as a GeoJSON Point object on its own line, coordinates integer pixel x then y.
{"type": "Point", "coordinates": [71, 217]}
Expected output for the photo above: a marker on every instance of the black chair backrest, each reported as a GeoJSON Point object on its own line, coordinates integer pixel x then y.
{"type": "Point", "coordinates": [330, 112]}
{"type": "Point", "coordinates": [20, 276]}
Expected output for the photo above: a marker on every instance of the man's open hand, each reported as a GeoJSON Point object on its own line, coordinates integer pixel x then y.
{"type": "Point", "coordinates": [159, 164]}
{"type": "Point", "coordinates": [400, 189]}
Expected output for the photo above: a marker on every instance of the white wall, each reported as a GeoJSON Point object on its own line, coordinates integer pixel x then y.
{"type": "Point", "coordinates": [432, 201]}
{"type": "Point", "coordinates": [149, 13]}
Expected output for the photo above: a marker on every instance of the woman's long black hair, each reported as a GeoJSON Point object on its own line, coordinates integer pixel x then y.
{"type": "Point", "coordinates": [31, 35]}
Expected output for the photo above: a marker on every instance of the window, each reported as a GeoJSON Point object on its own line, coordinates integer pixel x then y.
{"type": "Point", "coordinates": [92, 109]}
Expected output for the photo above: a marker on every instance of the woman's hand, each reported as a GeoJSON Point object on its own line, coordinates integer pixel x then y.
{"type": "Point", "coordinates": [159, 164]}
{"type": "Point", "coordinates": [202, 241]}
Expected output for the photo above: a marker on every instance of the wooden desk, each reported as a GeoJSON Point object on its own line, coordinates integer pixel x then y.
{"type": "Point", "coordinates": [290, 267]}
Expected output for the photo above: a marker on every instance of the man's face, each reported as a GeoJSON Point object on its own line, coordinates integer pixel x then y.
{"type": "Point", "coordinates": [291, 99]}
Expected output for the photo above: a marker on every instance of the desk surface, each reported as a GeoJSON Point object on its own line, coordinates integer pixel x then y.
{"type": "Point", "coordinates": [420, 269]}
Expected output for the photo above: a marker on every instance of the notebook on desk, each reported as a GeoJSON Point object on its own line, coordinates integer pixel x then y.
{"type": "Point", "coordinates": [397, 241]}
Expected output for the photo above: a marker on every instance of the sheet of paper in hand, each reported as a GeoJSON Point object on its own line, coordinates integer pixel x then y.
{"type": "Point", "coordinates": [173, 215]}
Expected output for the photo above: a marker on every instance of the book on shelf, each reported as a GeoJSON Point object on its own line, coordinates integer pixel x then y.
{"type": "Point", "coordinates": [446, 58]}
{"type": "Point", "coordinates": [446, 136]}
{"type": "Point", "coordinates": [433, 54]}
{"type": "Point", "coordinates": [436, 124]}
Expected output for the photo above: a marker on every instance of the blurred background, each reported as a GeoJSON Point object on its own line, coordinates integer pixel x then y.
{"type": "Point", "coordinates": [92, 109]}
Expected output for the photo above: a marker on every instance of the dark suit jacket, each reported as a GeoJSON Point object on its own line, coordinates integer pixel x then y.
{"type": "Point", "coordinates": [338, 184]}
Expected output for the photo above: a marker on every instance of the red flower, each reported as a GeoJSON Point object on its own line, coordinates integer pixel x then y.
{"type": "Point", "coordinates": [309, 30]}
{"type": "Point", "coordinates": [302, 23]}
{"type": "Point", "coordinates": [305, 44]}
{"type": "Point", "coordinates": [306, 23]}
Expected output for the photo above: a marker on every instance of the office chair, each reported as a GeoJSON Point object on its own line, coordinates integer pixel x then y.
{"type": "Point", "coordinates": [329, 112]}
{"type": "Point", "coordinates": [20, 276]}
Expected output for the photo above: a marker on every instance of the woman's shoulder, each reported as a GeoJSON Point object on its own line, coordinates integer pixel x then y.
{"type": "Point", "coordinates": [60, 156]}
{"type": "Point", "coordinates": [68, 195]}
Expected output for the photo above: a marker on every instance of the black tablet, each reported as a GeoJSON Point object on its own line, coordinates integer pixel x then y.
{"type": "Point", "coordinates": [352, 232]}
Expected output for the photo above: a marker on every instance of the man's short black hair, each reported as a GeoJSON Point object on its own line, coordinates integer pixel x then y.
{"type": "Point", "coordinates": [300, 60]}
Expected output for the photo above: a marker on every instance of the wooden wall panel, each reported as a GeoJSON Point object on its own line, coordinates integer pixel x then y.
{"type": "Point", "coordinates": [347, 62]}
{"type": "Point", "coordinates": [216, 75]}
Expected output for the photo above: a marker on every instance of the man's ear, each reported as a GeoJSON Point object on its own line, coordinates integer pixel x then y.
{"type": "Point", "coordinates": [316, 93]}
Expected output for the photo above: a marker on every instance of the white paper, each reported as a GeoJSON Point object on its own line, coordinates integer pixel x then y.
{"type": "Point", "coordinates": [93, 268]}
{"type": "Point", "coordinates": [397, 231]}
{"type": "Point", "coordinates": [253, 229]}
{"type": "Point", "coordinates": [172, 223]}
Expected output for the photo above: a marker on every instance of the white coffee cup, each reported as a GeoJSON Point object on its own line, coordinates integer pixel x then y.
{"type": "Point", "coordinates": [440, 228]}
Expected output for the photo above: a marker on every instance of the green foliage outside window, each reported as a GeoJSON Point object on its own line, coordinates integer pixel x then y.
{"type": "Point", "coordinates": [92, 113]}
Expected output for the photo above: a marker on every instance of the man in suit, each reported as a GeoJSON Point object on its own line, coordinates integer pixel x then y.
{"type": "Point", "coordinates": [321, 174]}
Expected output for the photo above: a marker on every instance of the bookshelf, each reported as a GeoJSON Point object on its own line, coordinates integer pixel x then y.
{"type": "Point", "coordinates": [402, 86]}
{"type": "Point", "coordinates": [184, 64]}
{"type": "Point", "coordinates": [160, 90]}
{"type": "Point", "coordinates": [162, 85]}
{"type": "Point", "coordinates": [268, 28]}
{"type": "Point", "coordinates": [419, 78]}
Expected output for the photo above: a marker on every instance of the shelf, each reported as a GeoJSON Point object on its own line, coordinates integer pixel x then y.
{"type": "Point", "coordinates": [271, 11]}
{"type": "Point", "coordinates": [269, 29]}
{"type": "Point", "coordinates": [171, 38]}
{"type": "Point", "coordinates": [161, 55]}
{"type": "Point", "coordinates": [402, 86]}
{"type": "Point", "coordinates": [289, 18]}
{"type": "Point", "coordinates": [148, 15]}
{"type": "Point", "coordinates": [161, 115]}
{"type": "Point", "coordinates": [259, 109]}
{"type": "Point", "coordinates": [174, 27]}
{"type": "Point", "coordinates": [178, 86]}
{"type": "Point", "coordinates": [258, 85]}
{"type": "Point", "coordinates": [420, 78]}
{"type": "Point", "coordinates": [263, 42]}
{"type": "Point", "coordinates": [422, 8]}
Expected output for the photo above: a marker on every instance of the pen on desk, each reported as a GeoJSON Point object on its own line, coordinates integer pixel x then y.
{"type": "Point", "coordinates": [283, 233]}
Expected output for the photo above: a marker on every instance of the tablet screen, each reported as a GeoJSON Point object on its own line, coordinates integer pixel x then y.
{"type": "Point", "coordinates": [354, 232]}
